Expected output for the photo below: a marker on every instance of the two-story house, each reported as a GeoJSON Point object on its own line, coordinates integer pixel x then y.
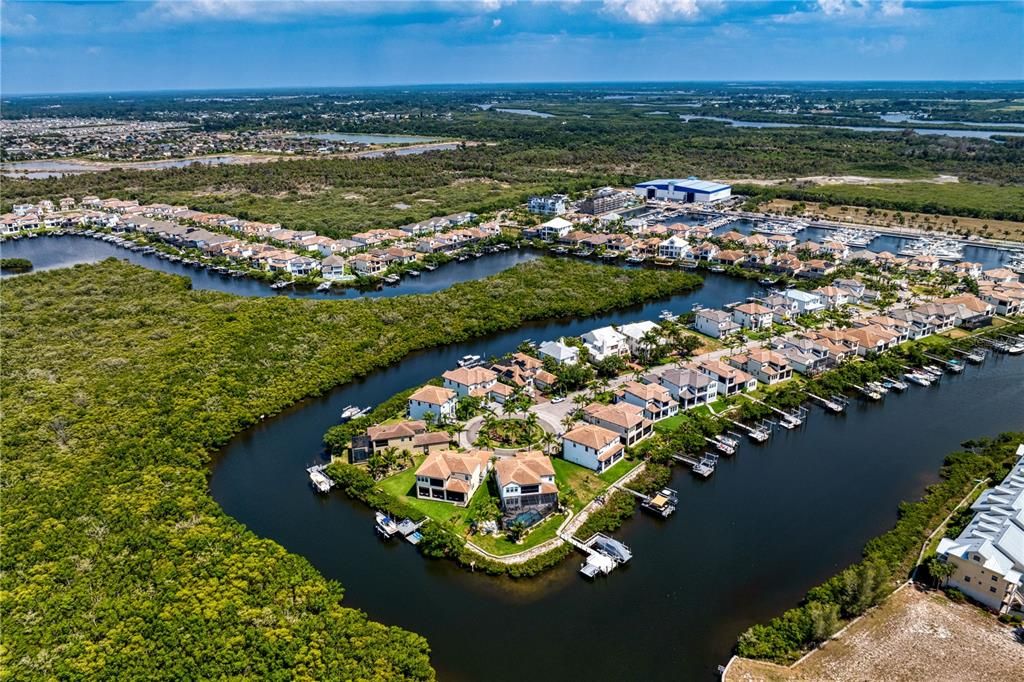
{"type": "Point", "coordinates": [624, 419]}
{"type": "Point", "coordinates": [474, 381]}
{"type": "Point", "coordinates": [449, 476]}
{"type": "Point", "coordinates": [688, 386]}
{"type": "Point", "coordinates": [433, 400]}
{"type": "Point", "coordinates": [654, 399]}
{"type": "Point", "coordinates": [526, 482]}
{"type": "Point", "coordinates": [592, 446]}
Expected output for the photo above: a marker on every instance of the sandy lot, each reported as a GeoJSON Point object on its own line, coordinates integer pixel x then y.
{"type": "Point", "coordinates": [913, 636]}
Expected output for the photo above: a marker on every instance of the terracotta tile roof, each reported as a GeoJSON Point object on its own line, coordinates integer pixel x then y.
{"type": "Point", "coordinates": [406, 429]}
{"type": "Point", "coordinates": [431, 438]}
{"type": "Point", "coordinates": [591, 436]}
{"type": "Point", "coordinates": [647, 391]}
{"type": "Point", "coordinates": [526, 468]}
{"type": "Point", "coordinates": [621, 414]}
{"type": "Point", "coordinates": [753, 309]}
{"type": "Point", "coordinates": [468, 376]}
{"type": "Point", "coordinates": [434, 395]}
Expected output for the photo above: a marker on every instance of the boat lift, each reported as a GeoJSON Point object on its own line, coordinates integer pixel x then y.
{"type": "Point", "coordinates": [829, 404]}
{"type": "Point", "coordinates": [789, 420]}
{"type": "Point", "coordinates": [759, 433]}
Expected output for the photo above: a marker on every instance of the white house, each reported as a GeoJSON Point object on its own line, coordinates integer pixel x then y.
{"type": "Point", "coordinates": [752, 316]}
{"type": "Point", "coordinates": [989, 554]}
{"type": "Point", "coordinates": [592, 446]}
{"type": "Point", "coordinates": [766, 366]}
{"type": "Point", "coordinates": [473, 381]}
{"type": "Point", "coordinates": [560, 352]}
{"type": "Point", "coordinates": [526, 481]}
{"type": "Point", "coordinates": [637, 332]}
{"type": "Point", "coordinates": [554, 204]}
{"type": "Point", "coordinates": [605, 342]}
{"type": "Point", "coordinates": [806, 302]}
{"type": "Point", "coordinates": [333, 268]}
{"type": "Point", "coordinates": [715, 323]}
{"type": "Point", "coordinates": [833, 297]}
{"type": "Point", "coordinates": [434, 400]}
{"type": "Point", "coordinates": [449, 476]}
{"type": "Point", "coordinates": [556, 228]}
{"type": "Point", "coordinates": [675, 247]}
{"type": "Point", "coordinates": [623, 418]}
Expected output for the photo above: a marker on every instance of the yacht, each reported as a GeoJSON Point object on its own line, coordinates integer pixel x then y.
{"type": "Point", "coordinates": [323, 286]}
{"type": "Point", "coordinates": [771, 227]}
{"type": "Point", "coordinates": [469, 360]}
{"type": "Point", "coordinates": [852, 237]}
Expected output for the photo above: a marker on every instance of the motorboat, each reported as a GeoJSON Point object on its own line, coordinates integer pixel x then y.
{"type": "Point", "coordinates": [323, 286]}
{"type": "Point", "coordinates": [468, 360]}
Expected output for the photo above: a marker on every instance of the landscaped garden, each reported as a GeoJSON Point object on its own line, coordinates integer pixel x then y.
{"type": "Point", "coordinates": [510, 432]}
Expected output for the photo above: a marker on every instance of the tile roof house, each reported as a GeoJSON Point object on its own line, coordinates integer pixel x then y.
{"type": "Point", "coordinates": [448, 476]}
{"type": "Point", "coordinates": [715, 323]}
{"type": "Point", "coordinates": [766, 366]}
{"type": "Point", "coordinates": [526, 481]}
{"type": "Point", "coordinates": [654, 399]}
{"type": "Point", "coordinates": [988, 556]}
{"type": "Point", "coordinates": [473, 381]}
{"type": "Point", "coordinates": [433, 400]}
{"type": "Point", "coordinates": [752, 316]}
{"type": "Point", "coordinates": [592, 447]}
{"type": "Point", "coordinates": [623, 418]}
{"type": "Point", "coordinates": [730, 380]}
{"type": "Point", "coordinates": [688, 386]}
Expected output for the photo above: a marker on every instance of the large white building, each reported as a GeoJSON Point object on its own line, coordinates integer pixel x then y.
{"type": "Point", "coordinates": [989, 553]}
{"type": "Point", "coordinates": [605, 342]}
{"type": "Point", "coordinates": [690, 190]}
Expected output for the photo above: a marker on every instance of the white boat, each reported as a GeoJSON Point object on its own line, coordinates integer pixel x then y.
{"type": "Point", "coordinates": [413, 273]}
{"type": "Point", "coordinates": [468, 360]}
{"type": "Point", "coordinates": [385, 526]}
{"type": "Point", "coordinates": [321, 481]}
{"type": "Point", "coordinates": [778, 228]}
{"type": "Point", "coordinates": [349, 412]}
{"type": "Point", "coordinates": [852, 237]}
{"type": "Point", "coordinates": [919, 379]}
{"type": "Point", "coordinates": [323, 286]}
{"type": "Point", "coordinates": [668, 316]}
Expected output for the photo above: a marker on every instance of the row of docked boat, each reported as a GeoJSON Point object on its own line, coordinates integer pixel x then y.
{"type": "Point", "coordinates": [943, 249]}
{"type": "Point", "coordinates": [387, 528]}
{"type": "Point", "coordinates": [853, 237]}
{"type": "Point", "coordinates": [353, 412]}
{"type": "Point", "coordinates": [788, 228]}
{"type": "Point", "coordinates": [1011, 345]}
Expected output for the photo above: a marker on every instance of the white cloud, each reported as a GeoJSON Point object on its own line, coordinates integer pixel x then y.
{"type": "Point", "coordinates": [496, 23]}
{"type": "Point", "coordinates": [655, 11]}
{"type": "Point", "coordinates": [892, 8]}
{"type": "Point", "coordinates": [882, 46]}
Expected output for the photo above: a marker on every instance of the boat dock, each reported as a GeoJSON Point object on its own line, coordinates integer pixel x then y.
{"type": "Point", "coordinates": [975, 356]}
{"type": "Point", "coordinates": [789, 420]}
{"type": "Point", "coordinates": [604, 553]}
{"type": "Point", "coordinates": [663, 503]}
{"type": "Point", "coordinates": [829, 404]}
{"type": "Point", "coordinates": [759, 433]}
{"type": "Point", "coordinates": [703, 467]}
{"type": "Point", "coordinates": [322, 483]}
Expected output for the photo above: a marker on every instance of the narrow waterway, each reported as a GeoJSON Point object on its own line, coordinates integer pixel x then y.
{"type": "Point", "coordinates": [744, 546]}
{"type": "Point", "coordinates": [47, 253]}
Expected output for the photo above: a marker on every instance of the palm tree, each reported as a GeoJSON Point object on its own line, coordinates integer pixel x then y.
{"type": "Point", "coordinates": [548, 442]}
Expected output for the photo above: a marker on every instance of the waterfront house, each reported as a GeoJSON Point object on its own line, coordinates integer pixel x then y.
{"type": "Point", "coordinates": [604, 342]}
{"type": "Point", "coordinates": [526, 482]}
{"type": "Point", "coordinates": [560, 352]}
{"type": "Point", "coordinates": [449, 476]}
{"type": "Point", "coordinates": [400, 435]}
{"type": "Point", "coordinates": [592, 446]}
{"type": "Point", "coordinates": [806, 302]}
{"type": "Point", "coordinates": [755, 241]}
{"type": "Point", "coordinates": [788, 263]}
{"type": "Point", "coordinates": [870, 339]}
{"type": "Point", "coordinates": [333, 268]}
{"type": "Point", "coordinates": [715, 323]}
{"type": "Point", "coordinates": [1007, 299]}
{"type": "Point", "coordinates": [554, 229]}
{"type": "Point", "coordinates": [654, 399]}
{"type": "Point", "coordinates": [675, 247]}
{"type": "Point", "coordinates": [639, 335]}
{"type": "Point", "coordinates": [707, 251]}
{"type": "Point", "coordinates": [988, 556]}
{"type": "Point", "coordinates": [765, 365]}
{"type": "Point", "coordinates": [999, 276]}
{"type": "Point", "coordinates": [625, 419]}
{"type": "Point", "coordinates": [729, 380]}
{"type": "Point", "coordinates": [433, 400]}
{"type": "Point", "coordinates": [782, 242]}
{"type": "Point", "coordinates": [752, 316]}
{"type": "Point", "coordinates": [474, 381]}
{"type": "Point", "coordinates": [366, 264]}
{"type": "Point", "coordinates": [838, 250]}
{"type": "Point", "coordinates": [730, 257]}
{"type": "Point", "coordinates": [971, 311]}
{"type": "Point", "coordinates": [804, 362]}
{"type": "Point", "coordinates": [816, 268]}
{"type": "Point", "coordinates": [783, 309]}
{"type": "Point", "coordinates": [688, 386]}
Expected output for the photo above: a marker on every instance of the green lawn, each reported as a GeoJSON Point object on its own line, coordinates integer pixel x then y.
{"type": "Point", "coordinates": [572, 476]}
{"type": "Point", "coordinates": [670, 424]}
{"type": "Point", "coordinates": [401, 485]}
{"type": "Point", "coordinates": [541, 533]}
{"type": "Point", "coordinates": [618, 470]}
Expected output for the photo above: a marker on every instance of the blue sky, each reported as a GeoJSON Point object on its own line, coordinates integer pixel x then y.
{"type": "Point", "coordinates": [75, 46]}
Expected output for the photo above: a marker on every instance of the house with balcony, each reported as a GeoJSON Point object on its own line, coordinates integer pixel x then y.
{"type": "Point", "coordinates": [470, 381]}
{"type": "Point", "coordinates": [436, 401]}
{"type": "Point", "coordinates": [687, 386]}
{"type": "Point", "coordinates": [333, 269]}
{"type": "Point", "coordinates": [675, 247]}
{"type": "Point", "coordinates": [753, 316]}
{"type": "Point", "coordinates": [623, 418]}
{"type": "Point", "coordinates": [765, 365]}
{"type": "Point", "coordinates": [806, 302]}
{"type": "Point", "coordinates": [526, 481]}
{"type": "Point", "coordinates": [729, 380]}
{"type": "Point", "coordinates": [833, 297]}
{"type": "Point", "coordinates": [654, 399]}
{"type": "Point", "coordinates": [639, 335]}
{"type": "Point", "coordinates": [715, 323]}
{"type": "Point", "coordinates": [554, 229]}
{"type": "Point", "coordinates": [593, 447]}
{"type": "Point", "coordinates": [448, 476]}
{"type": "Point", "coordinates": [605, 342]}
{"type": "Point", "coordinates": [988, 555]}
{"type": "Point", "coordinates": [367, 264]}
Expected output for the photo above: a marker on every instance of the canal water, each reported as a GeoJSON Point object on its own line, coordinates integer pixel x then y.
{"type": "Point", "coordinates": [952, 132]}
{"type": "Point", "coordinates": [58, 252]}
{"type": "Point", "coordinates": [744, 546]}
